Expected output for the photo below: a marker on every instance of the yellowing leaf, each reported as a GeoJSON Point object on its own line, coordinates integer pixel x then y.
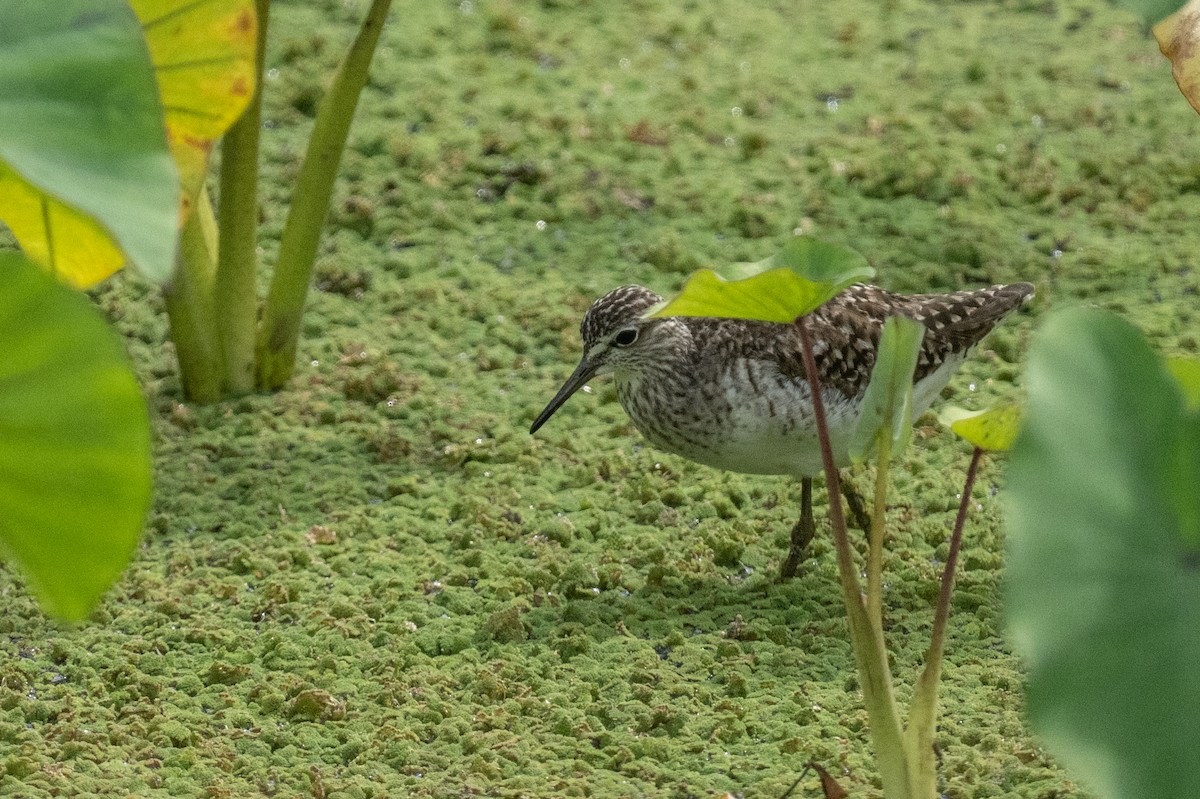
{"type": "Point", "coordinates": [204, 58]}
{"type": "Point", "coordinates": [1179, 39]}
{"type": "Point", "coordinates": [41, 222]}
{"type": "Point", "coordinates": [992, 429]}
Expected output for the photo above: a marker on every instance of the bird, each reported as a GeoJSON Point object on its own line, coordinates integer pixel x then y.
{"type": "Point", "coordinates": [733, 393]}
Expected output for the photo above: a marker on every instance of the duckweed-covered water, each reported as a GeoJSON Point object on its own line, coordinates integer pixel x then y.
{"type": "Point", "coordinates": [376, 583]}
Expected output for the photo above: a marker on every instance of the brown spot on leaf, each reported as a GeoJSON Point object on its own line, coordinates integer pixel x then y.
{"type": "Point", "coordinates": [196, 143]}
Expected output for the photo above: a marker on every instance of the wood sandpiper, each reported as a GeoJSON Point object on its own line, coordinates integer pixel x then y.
{"type": "Point", "coordinates": [732, 393]}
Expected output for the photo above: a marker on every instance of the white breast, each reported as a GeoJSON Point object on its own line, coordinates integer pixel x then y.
{"type": "Point", "coordinates": [752, 420]}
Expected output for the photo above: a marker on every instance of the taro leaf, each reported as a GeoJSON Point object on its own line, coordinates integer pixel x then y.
{"type": "Point", "coordinates": [1186, 471]}
{"type": "Point", "coordinates": [74, 442]}
{"type": "Point", "coordinates": [788, 285]}
{"type": "Point", "coordinates": [1186, 372]}
{"type": "Point", "coordinates": [201, 96]}
{"type": "Point", "coordinates": [1104, 583]}
{"type": "Point", "coordinates": [887, 406]}
{"type": "Point", "coordinates": [1179, 40]}
{"type": "Point", "coordinates": [1151, 11]}
{"type": "Point", "coordinates": [993, 428]}
{"type": "Point", "coordinates": [86, 181]}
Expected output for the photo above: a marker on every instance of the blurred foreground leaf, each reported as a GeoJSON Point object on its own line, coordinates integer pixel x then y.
{"type": "Point", "coordinates": [1151, 11]}
{"type": "Point", "coordinates": [790, 284]}
{"type": "Point", "coordinates": [86, 181]}
{"type": "Point", "coordinates": [1104, 566]}
{"type": "Point", "coordinates": [75, 453]}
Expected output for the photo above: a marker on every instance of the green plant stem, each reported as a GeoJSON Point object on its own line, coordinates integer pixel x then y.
{"type": "Point", "coordinates": [236, 293]}
{"type": "Point", "coordinates": [190, 309]}
{"type": "Point", "coordinates": [869, 649]}
{"type": "Point", "coordinates": [280, 330]}
{"type": "Point", "coordinates": [883, 462]}
{"type": "Point", "coordinates": [922, 719]}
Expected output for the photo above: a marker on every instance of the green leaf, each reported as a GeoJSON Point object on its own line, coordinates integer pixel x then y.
{"type": "Point", "coordinates": [1186, 472]}
{"type": "Point", "coordinates": [1186, 372]}
{"type": "Point", "coordinates": [788, 285]}
{"type": "Point", "coordinates": [992, 429]}
{"type": "Point", "coordinates": [1104, 583]}
{"type": "Point", "coordinates": [887, 405]}
{"type": "Point", "coordinates": [1151, 11]}
{"type": "Point", "coordinates": [86, 180]}
{"type": "Point", "coordinates": [74, 442]}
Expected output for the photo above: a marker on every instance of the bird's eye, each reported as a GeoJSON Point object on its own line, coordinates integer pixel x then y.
{"type": "Point", "coordinates": [626, 337]}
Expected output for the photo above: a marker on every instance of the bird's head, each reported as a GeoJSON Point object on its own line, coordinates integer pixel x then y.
{"type": "Point", "coordinates": [615, 339]}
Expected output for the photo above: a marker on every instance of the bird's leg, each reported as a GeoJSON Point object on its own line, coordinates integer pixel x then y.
{"type": "Point", "coordinates": [802, 532]}
{"type": "Point", "coordinates": [805, 528]}
{"type": "Point", "coordinates": [859, 516]}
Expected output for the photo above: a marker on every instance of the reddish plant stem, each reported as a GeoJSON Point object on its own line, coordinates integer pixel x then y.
{"type": "Point", "coordinates": [940, 616]}
{"type": "Point", "coordinates": [833, 481]}
{"type": "Point", "coordinates": [866, 640]}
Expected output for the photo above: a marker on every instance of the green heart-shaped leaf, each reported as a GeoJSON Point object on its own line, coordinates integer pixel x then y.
{"type": "Point", "coordinates": [788, 285]}
{"type": "Point", "coordinates": [887, 405]}
{"type": "Point", "coordinates": [74, 442]}
{"type": "Point", "coordinates": [1104, 581]}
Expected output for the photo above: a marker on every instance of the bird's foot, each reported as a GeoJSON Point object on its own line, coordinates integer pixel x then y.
{"type": "Point", "coordinates": [801, 535]}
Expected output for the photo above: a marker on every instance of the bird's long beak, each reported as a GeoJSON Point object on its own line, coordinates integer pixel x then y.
{"type": "Point", "coordinates": [584, 372]}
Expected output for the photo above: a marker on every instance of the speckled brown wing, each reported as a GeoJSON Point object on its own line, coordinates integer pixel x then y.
{"type": "Point", "coordinates": [844, 344]}
{"type": "Point", "coordinates": [962, 318]}
{"type": "Point", "coordinates": [846, 330]}
{"type": "Point", "coordinates": [957, 321]}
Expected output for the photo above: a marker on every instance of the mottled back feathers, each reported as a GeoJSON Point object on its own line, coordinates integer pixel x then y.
{"type": "Point", "coordinates": [845, 331]}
